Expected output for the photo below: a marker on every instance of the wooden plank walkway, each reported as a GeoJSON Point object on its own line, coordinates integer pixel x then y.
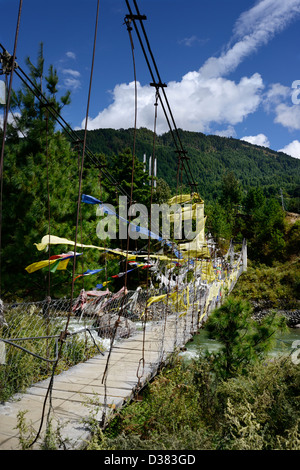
{"type": "Point", "coordinates": [75, 389]}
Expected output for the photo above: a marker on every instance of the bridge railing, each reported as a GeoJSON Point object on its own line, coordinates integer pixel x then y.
{"type": "Point", "coordinates": [31, 333]}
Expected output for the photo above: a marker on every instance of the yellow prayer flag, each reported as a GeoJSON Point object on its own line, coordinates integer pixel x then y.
{"type": "Point", "coordinates": [39, 265]}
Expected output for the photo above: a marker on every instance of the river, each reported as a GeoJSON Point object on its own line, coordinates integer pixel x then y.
{"type": "Point", "coordinates": [283, 344]}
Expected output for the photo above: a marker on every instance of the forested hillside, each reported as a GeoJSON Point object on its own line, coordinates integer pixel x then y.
{"type": "Point", "coordinates": [241, 185]}
{"type": "Point", "coordinates": [211, 157]}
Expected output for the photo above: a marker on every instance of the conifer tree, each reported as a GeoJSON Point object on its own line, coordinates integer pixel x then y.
{"type": "Point", "coordinates": [40, 189]}
{"type": "Point", "coordinates": [243, 340]}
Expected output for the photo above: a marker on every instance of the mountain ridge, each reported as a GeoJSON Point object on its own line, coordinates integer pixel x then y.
{"type": "Point", "coordinates": [210, 157]}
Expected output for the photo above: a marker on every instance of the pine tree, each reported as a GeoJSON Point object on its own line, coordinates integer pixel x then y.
{"type": "Point", "coordinates": [40, 190]}
{"type": "Point", "coordinates": [121, 168]}
{"type": "Point", "coordinates": [243, 340]}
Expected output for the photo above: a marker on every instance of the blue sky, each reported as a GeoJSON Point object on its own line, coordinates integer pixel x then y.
{"type": "Point", "coordinates": [229, 64]}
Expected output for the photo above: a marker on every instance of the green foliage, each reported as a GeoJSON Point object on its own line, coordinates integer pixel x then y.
{"type": "Point", "coordinates": [211, 157]}
{"type": "Point", "coordinates": [162, 193]}
{"type": "Point", "coordinates": [234, 400]}
{"type": "Point", "coordinates": [293, 239]}
{"type": "Point", "coordinates": [35, 205]}
{"type": "Point", "coordinates": [149, 425]}
{"type": "Point", "coordinates": [231, 191]}
{"type": "Point", "coordinates": [243, 340]}
{"type": "Point", "coordinates": [264, 227]}
{"type": "Point", "coordinates": [120, 167]}
{"type": "Point", "coordinates": [22, 370]}
{"type": "Point", "coordinates": [194, 409]}
{"type": "Point", "coordinates": [275, 287]}
{"type": "Point", "coordinates": [219, 222]}
{"type": "Point", "coordinates": [40, 195]}
{"type": "Point", "coordinates": [52, 439]}
{"type": "Point", "coordinates": [262, 410]}
{"type": "Point", "coordinates": [259, 219]}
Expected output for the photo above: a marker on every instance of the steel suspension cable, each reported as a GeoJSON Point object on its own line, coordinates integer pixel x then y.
{"type": "Point", "coordinates": [65, 332]}
{"type": "Point", "coordinates": [10, 87]}
{"type": "Point", "coordinates": [104, 377]}
{"type": "Point", "coordinates": [142, 359]}
{"type": "Point", "coordinates": [5, 120]}
{"type": "Point", "coordinates": [61, 121]}
{"type": "Point", "coordinates": [65, 126]}
{"type": "Point", "coordinates": [159, 84]}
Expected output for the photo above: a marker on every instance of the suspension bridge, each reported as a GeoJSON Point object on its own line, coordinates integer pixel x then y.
{"type": "Point", "coordinates": [128, 354]}
{"type": "Point", "coordinates": [65, 361]}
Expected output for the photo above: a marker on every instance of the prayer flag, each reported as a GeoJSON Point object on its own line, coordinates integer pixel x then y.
{"type": "Point", "coordinates": [59, 262]}
{"type": "Point", "coordinates": [89, 272]}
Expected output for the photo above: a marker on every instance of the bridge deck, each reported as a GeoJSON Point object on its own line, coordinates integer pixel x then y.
{"type": "Point", "coordinates": [75, 390]}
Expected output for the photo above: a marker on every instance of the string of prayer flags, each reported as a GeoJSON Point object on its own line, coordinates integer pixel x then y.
{"type": "Point", "coordinates": [39, 265]}
{"type": "Point", "coordinates": [133, 227]}
{"type": "Point", "coordinates": [99, 286]}
{"type": "Point", "coordinates": [89, 272]}
{"type": "Point", "coordinates": [62, 261]}
{"type": "Point", "coordinates": [122, 274]}
{"type": "Point", "coordinates": [54, 240]}
{"type": "Point", "coordinates": [107, 210]}
{"type": "Point", "coordinates": [59, 262]}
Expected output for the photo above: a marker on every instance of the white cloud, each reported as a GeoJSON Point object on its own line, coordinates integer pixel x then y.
{"type": "Point", "coordinates": [275, 95]}
{"type": "Point", "coordinates": [292, 149]}
{"type": "Point", "coordinates": [254, 28]}
{"type": "Point", "coordinates": [195, 102]}
{"type": "Point", "coordinates": [72, 72]}
{"type": "Point", "coordinates": [288, 116]}
{"type": "Point", "coordinates": [229, 132]}
{"type": "Point", "coordinates": [11, 118]}
{"type": "Point", "coordinates": [71, 55]}
{"type": "Point", "coordinates": [259, 139]}
{"type": "Point", "coordinates": [72, 83]}
{"type": "Point", "coordinates": [278, 100]}
{"type": "Point", "coordinates": [190, 41]}
{"type": "Point", "coordinates": [204, 98]}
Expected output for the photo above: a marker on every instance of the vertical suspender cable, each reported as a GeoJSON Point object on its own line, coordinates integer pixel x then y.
{"type": "Point", "coordinates": [10, 87]}
{"type": "Point", "coordinates": [48, 198]}
{"type": "Point", "coordinates": [65, 332]}
{"type": "Point", "coordinates": [104, 377]}
{"type": "Point", "coordinates": [5, 123]}
{"type": "Point", "coordinates": [181, 150]}
{"type": "Point", "coordinates": [83, 153]}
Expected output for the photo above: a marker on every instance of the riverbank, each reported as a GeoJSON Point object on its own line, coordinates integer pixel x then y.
{"type": "Point", "coordinates": [272, 288]}
{"type": "Point", "coordinates": [292, 316]}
